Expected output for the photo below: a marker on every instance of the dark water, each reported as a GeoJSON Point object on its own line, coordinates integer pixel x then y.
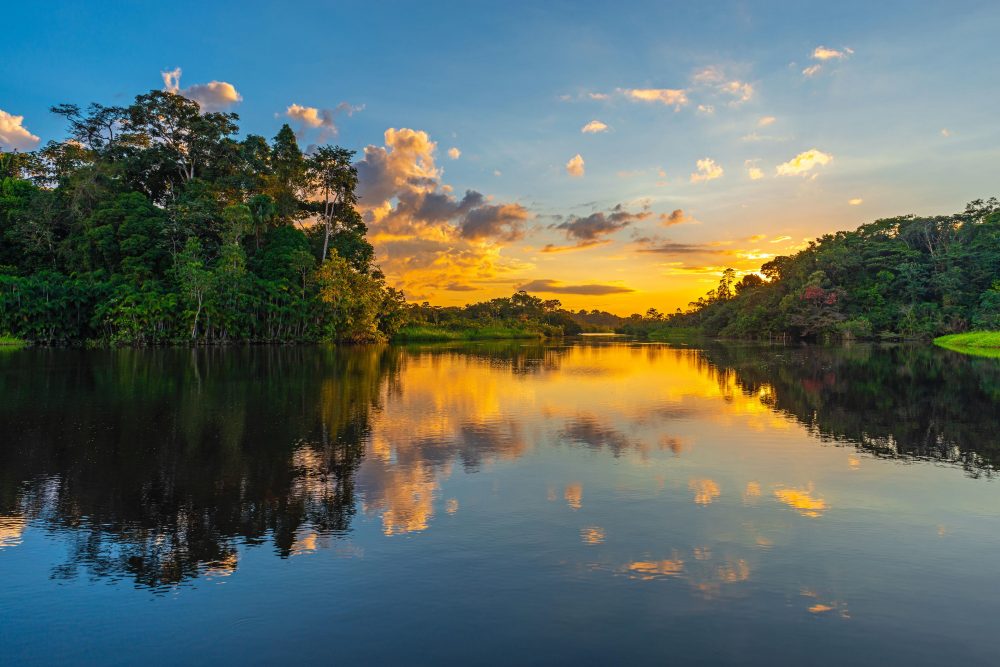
{"type": "Point", "coordinates": [599, 502]}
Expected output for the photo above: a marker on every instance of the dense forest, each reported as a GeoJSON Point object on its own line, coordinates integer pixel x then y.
{"type": "Point", "coordinates": [151, 223]}
{"type": "Point", "coordinates": [909, 276]}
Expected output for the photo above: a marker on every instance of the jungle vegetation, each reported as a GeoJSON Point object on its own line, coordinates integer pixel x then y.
{"type": "Point", "coordinates": [152, 223]}
{"type": "Point", "coordinates": [902, 277]}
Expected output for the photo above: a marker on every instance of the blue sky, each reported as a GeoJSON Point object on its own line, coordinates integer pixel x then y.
{"type": "Point", "coordinates": [902, 111]}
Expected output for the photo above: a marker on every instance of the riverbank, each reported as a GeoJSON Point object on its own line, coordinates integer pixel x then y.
{"type": "Point", "coordinates": [435, 334]}
{"type": "Point", "coordinates": [10, 342]}
{"type": "Point", "coordinates": [981, 343]}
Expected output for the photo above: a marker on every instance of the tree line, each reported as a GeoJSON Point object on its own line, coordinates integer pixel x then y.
{"type": "Point", "coordinates": [152, 223]}
{"type": "Point", "coordinates": [901, 277]}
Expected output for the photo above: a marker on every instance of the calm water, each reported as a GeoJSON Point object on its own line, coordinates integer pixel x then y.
{"type": "Point", "coordinates": [597, 502]}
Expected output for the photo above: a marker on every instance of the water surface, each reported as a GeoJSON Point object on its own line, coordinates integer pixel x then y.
{"type": "Point", "coordinates": [602, 501]}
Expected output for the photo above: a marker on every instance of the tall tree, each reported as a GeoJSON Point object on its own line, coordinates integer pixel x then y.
{"type": "Point", "coordinates": [334, 180]}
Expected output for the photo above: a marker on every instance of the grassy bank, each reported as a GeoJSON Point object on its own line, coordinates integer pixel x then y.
{"type": "Point", "coordinates": [434, 334]}
{"type": "Point", "coordinates": [676, 334]}
{"type": "Point", "coordinates": [11, 342]}
{"type": "Point", "coordinates": [982, 343]}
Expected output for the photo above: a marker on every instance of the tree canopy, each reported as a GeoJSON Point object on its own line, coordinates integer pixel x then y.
{"type": "Point", "coordinates": [152, 223]}
{"type": "Point", "coordinates": [907, 276]}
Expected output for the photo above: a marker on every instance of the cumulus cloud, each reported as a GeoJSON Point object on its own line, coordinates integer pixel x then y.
{"type": "Point", "coordinates": [13, 133]}
{"type": "Point", "coordinates": [670, 97]}
{"type": "Point", "coordinates": [675, 217]}
{"type": "Point", "coordinates": [812, 70]}
{"type": "Point", "coordinates": [708, 170]}
{"type": "Point", "coordinates": [803, 163]}
{"type": "Point", "coordinates": [764, 121]}
{"type": "Point", "coordinates": [857, 201]}
{"type": "Point", "coordinates": [556, 287]}
{"type": "Point", "coordinates": [322, 119]}
{"type": "Point", "coordinates": [502, 221]}
{"type": "Point", "coordinates": [599, 224]}
{"type": "Point", "coordinates": [575, 166]}
{"type": "Point", "coordinates": [454, 153]}
{"type": "Point", "coordinates": [594, 127]}
{"type": "Point", "coordinates": [211, 96]}
{"type": "Point", "coordinates": [425, 236]}
{"type": "Point", "coordinates": [945, 132]}
{"type": "Point", "coordinates": [706, 109]}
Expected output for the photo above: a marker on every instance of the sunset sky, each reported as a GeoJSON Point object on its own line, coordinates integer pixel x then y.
{"type": "Point", "coordinates": [613, 155]}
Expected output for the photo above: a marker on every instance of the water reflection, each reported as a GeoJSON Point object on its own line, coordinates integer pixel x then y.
{"type": "Point", "coordinates": [905, 401]}
{"type": "Point", "coordinates": [160, 467]}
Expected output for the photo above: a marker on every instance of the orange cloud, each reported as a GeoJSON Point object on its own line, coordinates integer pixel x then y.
{"type": "Point", "coordinates": [804, 163]}
{"type": "Point", "coordinates": [575, 166]}
{"type": "Point", "coordinates": [426, 238]}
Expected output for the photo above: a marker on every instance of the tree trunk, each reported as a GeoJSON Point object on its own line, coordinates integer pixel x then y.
{"type": "Point", "coordinates": [194, 328]}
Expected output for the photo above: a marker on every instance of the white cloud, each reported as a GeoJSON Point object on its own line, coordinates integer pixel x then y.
{"type": "Point", "coordinates": [454, 153]}
{"type": "Point", "coordinates": [764, 121]}
{"type": "Point", "coordinates": [824, 53]}
{"type": "Point", "coordinates": [211, 96]}
{"type": "Point", "coordinates": [716, 80]}
{"type": "Point", "coordinates": [13, 133]}
{"type": "Point", "coordinates": [667, 96]}
{"type": "Point", "coordinates": [803, 163]}
{"type": "Point", "coordinates": [708, 170]}
{"type": "Point", "coordinates": [753, 171]}
{"type": "Point", "coordinates": [945, 132]}
{"type": "Point", "coordinates": [706, 109]}
{"type": "Point", "coordinates": [594, 127]}
{"type": "Point", "coordinates": [575, 166]}
{"type": "Point", "coordinates": [710, 74]}
{"type": "Point", "coordinates": [741, 90]}
{"type": "Point", "coordinates": [857, 201]}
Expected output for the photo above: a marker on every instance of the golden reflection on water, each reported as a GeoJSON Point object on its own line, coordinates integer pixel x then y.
{"type": "Point", "coordinates": [457, 407]}
{"type": "Point", "coordinates": [705, 490]}
{"type": "Point", "coordinates": [11, 530]}
{"type": "Point", "coordinates": [646, 570]}
{"type": "Point", "coordinates": [802, 501]}
{"type": "Point", "coordinates": [574, 495]}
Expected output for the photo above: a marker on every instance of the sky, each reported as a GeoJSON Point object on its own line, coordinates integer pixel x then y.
{"type": "Point", "coordinates": [611, 155]}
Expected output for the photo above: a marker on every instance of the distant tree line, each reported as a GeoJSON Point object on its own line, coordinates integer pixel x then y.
{"type": "Point", "coordinates": [908, 276]}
